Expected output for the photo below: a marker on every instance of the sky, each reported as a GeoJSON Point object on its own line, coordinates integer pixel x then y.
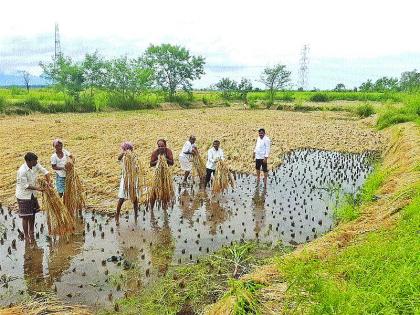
{"type": "Point", "coordinates": [350, 41]}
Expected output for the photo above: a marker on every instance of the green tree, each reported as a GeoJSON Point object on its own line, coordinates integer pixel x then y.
{"type": "Point", "coordinates": [386, 84]}
{"type": "Point", "coordinates": [340, 87]}
{"type": "Point", "coordinates": [275, 78]}
{"type": "Point", "coordinates": [127, 77]}
{"type": "Point", "coordinates": [367, 86]}
{"type": "Point", "coordinates": [244, 87]}
{"type": "Point", "coordinates": [94, 71]}
{"type": "Point", "coordinates": [227, 87]}
{"type": "Point", "coordinates": [66, 75]}
{"type": "Point", "coordinates": [174, 67]}
{"type": "Point", "coordinates": [410, 81]}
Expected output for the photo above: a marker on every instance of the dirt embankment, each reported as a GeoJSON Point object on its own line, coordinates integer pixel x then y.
{"type": "Point", "coordinates": [402, 159]}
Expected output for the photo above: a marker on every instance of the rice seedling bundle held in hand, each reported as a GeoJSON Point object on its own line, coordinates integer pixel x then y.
{"type": "Point", "coordinates": [60, 220]}
{"type": "Point", "coordinates": [162, 190]}
{"type": "Point", "coordinates": [199, 165]}
{"type": "Point", "coordinates": [131, 172]}
{"type": "Point", "coordinates": [222, 177]}
{"type": "Point", "coordinates": [74, 198]}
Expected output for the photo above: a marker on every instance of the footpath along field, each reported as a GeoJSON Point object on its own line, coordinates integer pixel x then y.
{"type": "Point", "coordinates": [94, 139]}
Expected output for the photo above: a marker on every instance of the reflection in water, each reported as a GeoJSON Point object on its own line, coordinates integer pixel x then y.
{"type": "Point", "coordinates": [296, 207]}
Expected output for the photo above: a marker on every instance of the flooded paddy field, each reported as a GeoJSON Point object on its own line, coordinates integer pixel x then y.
{"type": "Point", "coordinates": [102, 262]}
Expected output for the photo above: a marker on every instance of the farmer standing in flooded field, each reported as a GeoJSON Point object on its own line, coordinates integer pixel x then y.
{"type": "Point", "coordinates": [185, 157]}
{"type": "Point", "coordinates": [214, 154]}
{"type": "Point", "coordinates": [26, 190]}
{"type": "Point", "coordinates": [261, 153]}
{"type": "Point", "coordinates": [162, 149]}
{"type": "Point", "coordinates": [59, 160]}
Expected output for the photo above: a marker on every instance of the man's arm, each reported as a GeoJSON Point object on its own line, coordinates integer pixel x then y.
{"type": "Point", "coordinates": [267, 150]}
{"type": "Point", "coordinates": [169, 157]}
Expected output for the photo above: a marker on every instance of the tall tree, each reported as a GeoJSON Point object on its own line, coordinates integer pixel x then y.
{"type": "Point", "coordinates": [26, 78]}
{"type": "Point", "coordinates": [386, 84]}
{"type": "Point", "coordinates": [367, 86]}
{"type": "Point", "coordinates": [227, 87]}
{"type": "Point", "coordinates": [275, 78]}
{"type": "Point", "coordinates": [94, 71]}
{"type": "Point", "coordinates": [340, 87]}
{"type": "Point", "coordinates": [410, 80]}
{"type": "Point", "coordinates": [174, 67]}
{"type": "Point", "coordinates": [66, 75]}
{"type": "Point", "coordinates": [244, 87]}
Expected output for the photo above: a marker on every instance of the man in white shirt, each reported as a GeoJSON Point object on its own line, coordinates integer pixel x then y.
{"type": "Point", "coordinates": [185, 157]}
{"type": "Point", "coordinates": [261, 153]}
{"type": "Point", "coordinates": [213, 155]}
{"type": "Point", "coordinates": [26, 190]}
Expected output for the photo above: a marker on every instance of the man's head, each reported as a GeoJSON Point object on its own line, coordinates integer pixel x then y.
{"type": "Point", "coordinates": [161, 143]}
{"type": "Point", "coordinates": [31, 159]}
{"type": "Point", "coordinates": [58, 145]}
{"type": "Point", "coordinates": [192, 139]}
{"type": "Point", "coordinates": [261, 132]}
{"type": "Point", "coordinates": [216, 144]}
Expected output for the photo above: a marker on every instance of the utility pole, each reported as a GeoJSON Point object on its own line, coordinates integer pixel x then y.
{"type": "Point", "coordinates": [57, 45]}
{"type": "Point", "coordinates": [303, 67]}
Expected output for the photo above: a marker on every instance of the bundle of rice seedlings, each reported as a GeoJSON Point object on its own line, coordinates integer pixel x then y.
{"type": "Point", "coordinates": [162, 189]}
{"type": "Point", "coordinates": [74, 198]}
{"type": "Point", "coordinates": [131, 173]}
{"type": "Point", "coordinates": [222, 177]}
{"type": "Point", "coordinates": [60, 220]}
{"type": "Point", "coordinates": [199, 165]}
{"type": "Point", "coordinates": [43, 306]}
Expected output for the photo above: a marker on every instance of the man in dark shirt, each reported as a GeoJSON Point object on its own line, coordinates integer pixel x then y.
{"type": "Point", "coordinates": [162, 149]}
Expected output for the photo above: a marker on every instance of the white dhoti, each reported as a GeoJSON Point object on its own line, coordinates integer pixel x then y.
{"type": "Point", "coordinates": [124, 194]}
{"type": "Point", "coordinates": [186, 164]}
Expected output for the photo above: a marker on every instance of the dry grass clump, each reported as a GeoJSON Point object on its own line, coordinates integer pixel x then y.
{"type": "Point", "coordinates": [199, 165]}
{"type": "Point", "coordinates": [73, 198]}
{"type": "Point", "coordinates": [60, 220]}
{"type": "Point", "coordinates": [131, 173]}
{"type": "Point", "coordinates": [162, 190]}
{"type": "Point", "coordinates": [42, 307]}
{"type": "Point", "coordinates": [222, 177]}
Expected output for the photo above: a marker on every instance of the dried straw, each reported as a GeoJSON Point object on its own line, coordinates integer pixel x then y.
{"type": "Point", "coordinates": [74, 195]}
{"type": "Point", "coordinates": [222, 177]}
{"type": "Point", "coordinates": [162, 190]}
{"type": "Point", "coordinates": [199, 165]}
{"type": "Point", "coordinates": [60, 220]}
{"type": "Point", "coordinates": [42, 306]}
{"type": "Point", "coordinates": [131, 173]}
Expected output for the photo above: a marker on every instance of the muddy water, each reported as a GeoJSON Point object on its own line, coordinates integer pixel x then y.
{"type": "Point", "coordinates": [103, 262]}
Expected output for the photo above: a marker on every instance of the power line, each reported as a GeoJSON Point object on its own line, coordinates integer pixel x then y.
{"type": "Point", "coordinates": [303, 67]}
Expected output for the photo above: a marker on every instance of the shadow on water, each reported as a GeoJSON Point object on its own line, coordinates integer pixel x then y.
{"type": "Point", "coordinates": [102, 262]}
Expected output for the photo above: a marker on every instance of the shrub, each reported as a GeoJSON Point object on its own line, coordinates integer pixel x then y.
{"type": "Point", "coordinates": [2, 103]}
{"type": "Point", "coordinates": [16, 110]}
{"type": "Point", "coordinates": [319, 97]}
{"type": "Point", "coordinates": [252, 104]}
{"type": "Point", "coordinates": [365, 110]}
{"type": "Point", "coordinates": [393, 115]}
{"type": "Point", "coordinates": [287, 96]}
{"type": "Point", "coordinates": [33, 104]}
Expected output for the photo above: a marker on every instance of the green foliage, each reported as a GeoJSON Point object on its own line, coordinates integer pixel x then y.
{"type": "Point", "coordinates": [275, 78]}
{"type": "Point", "coordinates": [365, 110]}
{"type": "Point", "coordinates": [33, 104]}
{"type": "Point", "coordinates": [392, 115]}
{"type": "Point", "coordinates": [410, 81]}
{"type": "Point", "coordinates": [377, 275]}
{"type": "Point", "coordinates": [319, 97]}
{"type": "Point", "coordinates": [2, 103]}
{"type": "Point", "coordinates": [244, 293]}
{"type": "Point", "coordinates": [174, 67]}
{"type": "Point", "coordinates": [227, 87]}
{"type": "Point", "coordinates": [340, 87]}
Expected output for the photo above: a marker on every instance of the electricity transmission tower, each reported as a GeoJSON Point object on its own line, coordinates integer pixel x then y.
{"type": "Point", "coordinates": [303, 67]}
{"type": "Point", "coordinates": [57, 45]}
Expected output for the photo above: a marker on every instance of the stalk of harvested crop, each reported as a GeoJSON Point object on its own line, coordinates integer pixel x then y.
{"type": "Point", "coordinates": [162, 190]}
{"type": "Point", "coordinates": [60, 220]}
{"type": "Point", "coordinates": [40, 307]}
{"type": "Point", "coordinates": [199, 165]}
{"type": "Point", "coordinates": [131, 172]}
{"type": "Point", "coordinates": [74, 198]}
{"type": "Point", "coordinates": [222, 177]}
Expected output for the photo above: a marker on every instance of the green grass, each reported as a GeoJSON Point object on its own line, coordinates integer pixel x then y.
{"type": "Point", "coordinates": [377, 275]}
{"type": "Point", "coordinates": [392, 115]}
{"type": "Point", "coordinates": [350, 207]}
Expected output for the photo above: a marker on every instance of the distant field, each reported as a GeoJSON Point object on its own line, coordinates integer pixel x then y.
{"type": "Point", "coordinates": [19, 101]}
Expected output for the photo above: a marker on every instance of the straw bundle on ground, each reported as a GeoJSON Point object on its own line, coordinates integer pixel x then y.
{"type": "Point", "coordinates": [162, 190]}
{"type": "Point", "coordinates": [222, 177]}
{"type": "Point", "coordinates": [60, 220]}
{"type": "Point", "coordinates": [74, 198]}
{"type": "Point", "coordinates": [199, 165]}
{"type": "Point", "coordinates": [131, 173]}
{"type": "Point", "coordinates": [41, 307]}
